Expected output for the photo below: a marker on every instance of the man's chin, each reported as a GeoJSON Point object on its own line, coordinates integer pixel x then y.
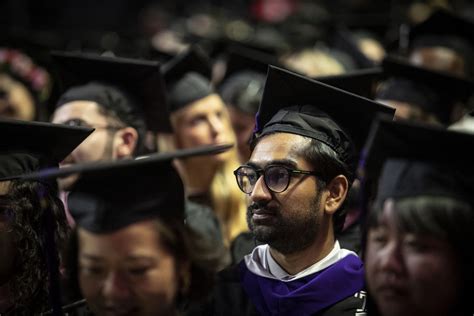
{"type": "Point", "coordinates": [67, 183]}
{"type": "Point", "coordinates": [263, 234]}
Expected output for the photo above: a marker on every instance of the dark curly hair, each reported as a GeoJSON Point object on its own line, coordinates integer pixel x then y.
{"type": "Point", "coordinates": [183, 243]}
{"type": "Point", "coordinates": [26, 206]}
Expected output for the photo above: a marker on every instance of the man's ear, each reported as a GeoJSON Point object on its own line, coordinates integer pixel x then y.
{"type": "Point", "coordinates": [126, 141]}
{"type": "Point", "coordinates": [336, 191]}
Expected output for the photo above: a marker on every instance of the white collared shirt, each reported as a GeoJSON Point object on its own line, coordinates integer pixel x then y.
{"type": "Point", "coordinates": [261, 262]}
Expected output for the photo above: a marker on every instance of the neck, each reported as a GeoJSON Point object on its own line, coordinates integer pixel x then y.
{"type": "Point", "coordinates": [197, 175]}
{"type": "Point", "coordinates": [296, 262]}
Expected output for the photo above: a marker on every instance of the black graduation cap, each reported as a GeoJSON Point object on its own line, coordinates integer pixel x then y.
{"type": "Point", "coordinates": [433, 91]}
{"type": "Point", "coordinates": [242, 85]}
{"type": "Point", "coordinates": [360, 82]}
{"type": "Point", "coordinates": [187, 78]}
{"type": "Point", "coordinates": [111, 195]}
{"type": "Point", "coordinates": [296, 104]}
{"type": "Point", "coordinates": [241, 58]}
{"type": "Point", "coordinates": [139, 79]}
{"type": "Point", "coordinates": [30, 146]}
{"type": "Point", "coordinates": [443, 28]}
{"type": "Point", "coordinates": [412, 159]}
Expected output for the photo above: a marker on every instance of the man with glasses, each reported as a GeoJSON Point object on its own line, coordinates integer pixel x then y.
{"type": "Point", "coordinates": [120, 98]}
{"type": "Point", "coordinates": [302, 165]}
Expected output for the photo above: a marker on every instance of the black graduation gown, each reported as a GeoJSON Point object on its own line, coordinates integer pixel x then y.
{"type": "Point", "coordinates": [229, 299]}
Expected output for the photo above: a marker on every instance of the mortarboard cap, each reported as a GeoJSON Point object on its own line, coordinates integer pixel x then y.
{"type": "Point", "coordinates": [241, 58]}
{"type": "Point", "coordinates": [187, 78]}
{"type": "Point", "coordinates": [407, 160]}
{"type": "Point", "coordinates": [295, 104]}
{"type": "Point", "coordinates": [30, 146]}
{"type": "Point", "coordinates": [360, 82]}
{"type": "Point", "coordinates": [242, 86]}
{"type": "Point", "coordinates": [111, 195]}
{"type": "Point", "coordinates": [139, 79]}
{"type": "Point", "coordinates": [433, 91]}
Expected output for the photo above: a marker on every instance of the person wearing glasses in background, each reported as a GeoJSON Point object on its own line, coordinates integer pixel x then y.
{"type": "Point", "coordinates": [300, 170]}
{"type": "Point", "coordinates": [110, 95]}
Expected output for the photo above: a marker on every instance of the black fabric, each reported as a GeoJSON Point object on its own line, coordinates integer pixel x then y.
{"type": "Point", "coordinates": [417, 142]}
{"type": "Point", "coordinates": [351, 237]}
{"type": "Point", "coordinates": [204, 221]}
{"type": "Point", "coordinates": [140, 80]}
{"type": "Point", "coordinates": [433, 91]}
{"type": "Point", "coordinates": [243, 245]}
{"type": "Point", "coordinates": [190, 88]}
{"type": "Point", "coordinates": [187, 78]}
{"type": "Point", "coordinates": [401, 178]}
{"type": "Point", "coordinates": [26, 147]}
{"type": "Point", "coordinates": [295, 104]}
{"type": "Point", "coordinates": [243, 90]}
{"type": "Point", "coordinates": [241, 58]}
{"type": "Point", "coordinates": [413, 160]}
{"type": "Point", "coordinates": [309, 121]}
{"type": "Point", "coordinates": [360, 82]}
{"type": "Point", "coordinates": [111, 195]}
{"type": "Point", "coordinates": [230, 299]}
{"type": "Point", "coordinates": [108, 200]}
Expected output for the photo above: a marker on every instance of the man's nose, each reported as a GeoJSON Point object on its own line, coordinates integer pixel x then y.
{"type": "Point", "coordinates": [260, 191]}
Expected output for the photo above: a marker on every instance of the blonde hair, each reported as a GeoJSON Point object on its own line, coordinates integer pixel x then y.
{"type": "Point", "coordinates": [313, 63]}
{"type": "Point", "coordinates": [228, 202]}
{"type": "Point", "coordinates": [227, 199]}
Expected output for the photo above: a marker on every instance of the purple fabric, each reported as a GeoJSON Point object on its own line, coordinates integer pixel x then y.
{"type": "Point", "coordinates": [307, 295]}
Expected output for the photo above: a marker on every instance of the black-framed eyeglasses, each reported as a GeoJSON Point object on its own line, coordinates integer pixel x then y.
{"type": "Point", "coordinates": [276, 177]}
{"type": "Point", "coordinates": [81, 123]}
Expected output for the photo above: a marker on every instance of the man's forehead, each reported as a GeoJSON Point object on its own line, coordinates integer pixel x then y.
{"type": "Point", "coordinates": [279, 146]}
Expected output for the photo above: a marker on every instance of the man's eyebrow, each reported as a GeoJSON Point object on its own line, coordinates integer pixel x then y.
{"type": "Point", "coordinates": [282, 162]}
{"type": "Point", "coordinates": [90, 257]}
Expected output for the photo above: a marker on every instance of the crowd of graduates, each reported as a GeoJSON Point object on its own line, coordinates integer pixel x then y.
{"type": "Point", "coordinates": [260, 158]}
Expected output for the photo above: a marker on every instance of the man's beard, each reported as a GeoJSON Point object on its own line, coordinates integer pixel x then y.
{"type": "Point", "coordinates": [288, 234]}
{"type": "Point", "coordinates": [67, 183]}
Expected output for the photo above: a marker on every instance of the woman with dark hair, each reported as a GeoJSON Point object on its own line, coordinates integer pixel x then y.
{"type": "Point", "coordinates": [174, 273]}
{"type": "Point", "coordinates": [32, 218]}
{"type": "Point", "coordinates": [24, 272]}
{"type": "Point", "coordinates": [132, 252]}
{"type": "Point", "coordinates": [418, 248]}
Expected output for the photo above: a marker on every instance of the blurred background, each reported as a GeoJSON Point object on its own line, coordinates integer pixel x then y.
{"type": "Point", "coordinates": [355, 33]}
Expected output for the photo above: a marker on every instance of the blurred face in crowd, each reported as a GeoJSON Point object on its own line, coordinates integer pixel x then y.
{"type": "Point", "coordinates": [242, 124]}
{"type": "Point", "coordinates": [440, 59]}
{"type": "Point", "coordinates": [410, 112]}
{"type": "Point", "coordinates": [108, 141]}
{"type": "Point", "coordinates": [202, 123]}
{"type": "Point", "coordinates": [407, 273]}
{"type": "Point", "coordinates": [16, 102]}
{"type": "Point", "coordinates": [127, 272]}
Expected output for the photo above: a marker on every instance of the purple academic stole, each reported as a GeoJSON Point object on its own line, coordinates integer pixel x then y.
{"type": "Point", "coordinates": [307, 295]}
